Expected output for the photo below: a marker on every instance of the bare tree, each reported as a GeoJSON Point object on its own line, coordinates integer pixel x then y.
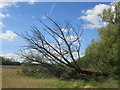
{"type": "Point", "coordinates": [57, 45]}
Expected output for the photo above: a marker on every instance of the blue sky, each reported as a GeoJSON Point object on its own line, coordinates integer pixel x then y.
{"type": "Point", "coordinates": [18, 17]}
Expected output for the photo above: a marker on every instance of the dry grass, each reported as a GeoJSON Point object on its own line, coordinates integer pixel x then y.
{"type": "Point", "coordinates": [12, 79]}
{"type": "Point", "coordinates": [88, 86]}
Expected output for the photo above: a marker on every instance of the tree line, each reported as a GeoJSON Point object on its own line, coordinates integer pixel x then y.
{"type": "Point", "coordinates": [6, 61]}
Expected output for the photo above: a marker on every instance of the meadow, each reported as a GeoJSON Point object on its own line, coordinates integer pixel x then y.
{"type": "Point", "coordinates": [13, 79]}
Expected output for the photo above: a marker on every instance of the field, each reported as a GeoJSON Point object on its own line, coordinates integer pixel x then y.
{"type": "Point", "coordinates": [13, 79]}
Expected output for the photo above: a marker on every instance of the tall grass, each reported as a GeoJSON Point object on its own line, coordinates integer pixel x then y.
{"type": "Point", "coordinates": [12, 79]}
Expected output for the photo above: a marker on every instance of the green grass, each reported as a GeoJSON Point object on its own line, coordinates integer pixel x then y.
{"type": "Point", "coordinates": [11, 79]}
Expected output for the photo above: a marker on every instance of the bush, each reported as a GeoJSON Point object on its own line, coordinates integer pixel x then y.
{"type": "Point", "coordinates": [47, 71]}
{"type": "Point", "coordinates": [42, 71]}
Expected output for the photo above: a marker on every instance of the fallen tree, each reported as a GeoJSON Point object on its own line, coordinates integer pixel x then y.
{"type": "Point", "coordinates": [56, 46]}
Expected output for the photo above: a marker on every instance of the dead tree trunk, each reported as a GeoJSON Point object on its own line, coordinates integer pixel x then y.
{"type": "Point", "coordinates": [59, 45]}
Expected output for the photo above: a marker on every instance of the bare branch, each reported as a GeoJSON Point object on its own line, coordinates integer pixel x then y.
{"type": "Point", "coordinates": [58, 52]}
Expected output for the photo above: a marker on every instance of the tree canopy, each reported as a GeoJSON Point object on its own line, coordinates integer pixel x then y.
{"type": "Point", "coordinates": [103, 54]}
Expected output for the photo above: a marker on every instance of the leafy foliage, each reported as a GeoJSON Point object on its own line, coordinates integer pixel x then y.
{"type": "Point", "coordinates": [6, 61]}
{"type": "Point", "coordinates": [102, 55]}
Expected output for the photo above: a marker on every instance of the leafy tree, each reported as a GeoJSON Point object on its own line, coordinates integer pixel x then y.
{"type": "Point", "coordinates": [6, 61]}
{"type": "Point", "coordinates": [103, 54]}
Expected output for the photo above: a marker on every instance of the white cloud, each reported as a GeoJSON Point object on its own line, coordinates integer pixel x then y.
{"type": "Point", "coordinates": [60, 40]}
{"type": "Point", "coordinates": [4, 4]}
{"type": "Point", "coordinates": [8, 35]}
{"type": "Point", "coordinates": [43, 17]}
{"type": "Point", "coordinates": [30, 50]}
{"type": "Point", "coordinates": [64, 30]}
{"type": "Point", "coordinates": [11, 56]}
{"type": "Point", "coordinates": [4, 15]}
{"type": "Point", "coordinates": [72, 37]}
{"type": "Point", "coordinates": [1, 24]}
{"type": "Point", "coordinates": [34, 17]}
{"type": "Point", "coordinates": [83, 11]}
{"type": "Point", "coordinates": [69, 38]}
{"type": "Point", "coordinates": [8, 3]}
{"type": "Point", "coordinates": [75, 55]}
{"type": "Point", "coordinates": [1, 17]}
{"type": "Point", "coordinates": [92, 17]}
{"type": "Point", "coordinates": [31, 1]}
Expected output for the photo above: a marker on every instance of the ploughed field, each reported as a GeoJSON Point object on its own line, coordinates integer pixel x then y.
{"type": "Point", "coordinates": [12, 77]}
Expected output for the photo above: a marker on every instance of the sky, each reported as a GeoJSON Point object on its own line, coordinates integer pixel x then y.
{"type": "Point", "coordinates": [17, 17]}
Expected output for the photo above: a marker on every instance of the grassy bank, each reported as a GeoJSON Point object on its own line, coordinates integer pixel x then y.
{"type": "Point", "coordinates": [13, 79]}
